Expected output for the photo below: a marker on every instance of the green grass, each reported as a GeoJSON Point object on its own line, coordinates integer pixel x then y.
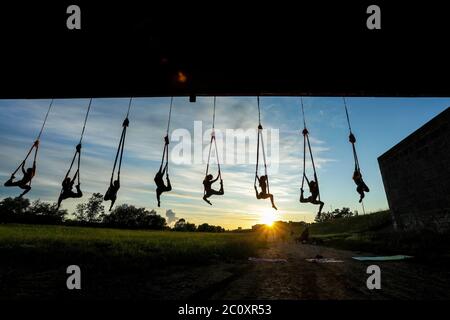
{"type": "Point", "coordinates": [374, 233]}
{"type": "Point", "coordinates": [364, 223]}
{"type": "Point", "coordinates": [41, 244]}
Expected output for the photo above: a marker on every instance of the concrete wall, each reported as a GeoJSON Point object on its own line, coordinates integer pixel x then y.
{"type": "Point", "coordinates": [416, 177]}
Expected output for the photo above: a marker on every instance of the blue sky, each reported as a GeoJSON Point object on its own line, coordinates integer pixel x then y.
{"type": "Point", "coordinates": [378, 123]}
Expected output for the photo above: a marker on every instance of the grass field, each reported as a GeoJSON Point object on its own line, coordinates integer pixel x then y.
{"type": "Point", "coordinates": [116, 263]}
{"type": "Point", "coordinates": [134, 264]}
{"type": "Point", "coordinates": [374, 233]}
{"type": "Point", "coordinates": [41, 243]}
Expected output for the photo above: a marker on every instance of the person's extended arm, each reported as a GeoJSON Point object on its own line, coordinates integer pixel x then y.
{"type": "Point", "coordinates": [23, 167]}
{"type": "Point", "coordinates": [215, 179]}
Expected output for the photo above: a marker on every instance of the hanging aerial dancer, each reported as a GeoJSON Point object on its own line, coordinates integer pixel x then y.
{"type": "Point", "coordinates": [263, 181]}
{"type": "Point", "coordinates": [357, 176]}
{"type": "Point", "coordinates": [209, 178]}
{"type": "Point", "coordinates": [164, 167]}
{"type": "Point", "coordinates": [313, 185]}
{"type": "Point", "coordinates": [29, 173]}
{"type": "Point", "coordinates": [114, 184]}
{"type": "Point", "coordinates": [68, 183]}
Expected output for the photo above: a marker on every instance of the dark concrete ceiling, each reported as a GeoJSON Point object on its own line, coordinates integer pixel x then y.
{"type": "Point", "coordinates": [321, 49]}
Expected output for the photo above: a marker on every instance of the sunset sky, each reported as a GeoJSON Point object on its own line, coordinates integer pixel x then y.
{"type": "Point", "coordinates": [378, 123]}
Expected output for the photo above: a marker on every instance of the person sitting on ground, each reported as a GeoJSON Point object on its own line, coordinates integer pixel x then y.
{"type": "Point", "coordinates": [263, 194]}
{"type": "Point", "coordinates": [361, 186]}
{"type": "Point", "coordinates": [67, 186]}
{"type": "Point", "coordinates": [24, 183]}
{"type": "Point", "coordinates": [111, 194]}
{"type": "Point", "coordinates": [304, 237]}
{"type": "Point", "coordinates": [314, 190]}
{"type": "Point", "coordinates": [160, 186]}
{"type": "Point", "coordinates": [209, 191]}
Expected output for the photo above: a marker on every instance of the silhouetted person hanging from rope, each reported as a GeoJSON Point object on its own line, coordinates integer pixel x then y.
{"type": "Point", "coordinates": [263, 181]}
{"type": "Point", "coordinates": [111, 193]}
{"type": "Point", "coordinates": [361, 185]}
{"type": "Point", "coordinates": [67, 192]}
{"type": "Point", "coordinates": [29, 173]}
{"type": "Point", "coordinates": [68, 183]}
{"type": "Point", "coordinates": [208, 190]}
{"type": "Point", "coordinates": [357, 176]}
{"type": "Point", "coordinates": [24, 183]}
{"type": "Point", "coordinates": [313, 185]}
{"type": "Point", "coordinates": [208, 181]}
{"type": "Point", "coordinates": [159, 177]}
{"type": "Point", "coordinates": [313, 198]}
{"type": "Point", "coordinates": [264, 194]}
{"type": "Point", "coordinates": [114, 184]}
{"type": "Point", "coordinates": [161, 186]}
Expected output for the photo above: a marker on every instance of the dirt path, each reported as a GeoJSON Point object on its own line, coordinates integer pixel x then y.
{"type": "Point", "coordinates": [294, 279]}
{"type": "Point", "coordinates": [300, 279]}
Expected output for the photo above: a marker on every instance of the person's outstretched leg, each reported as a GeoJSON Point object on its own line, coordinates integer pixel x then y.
{"type": "Point", "coordinates": [271, 200]}
{"type": "Point", "coordinates": [318, 202]}
{"type": "Point", "coordinates": [60, 199]}
{"type": "Point", "coordinates": [158, 196]}
{"type": "Point", "coordinates": [258, 196]}
{"type": "Point", "coordinates": [79, 194]}
{"type": "Point", "coordinates": [365, 187]}
{"type": "Point", "coordinates": [27, 188]}
{"type": "Point", "coordinates": [205, 197]}
{"type": "Point", "coordinates": [360, 190]}
{"type": "Point", "coordinates": [220, 192]}
{"type": "Point", "coordinates": [302, 198]}
{"type": "Point", "coordinates": [321, 207]}
{"type": "Point", "coordinates": [113, 199]}
{"type": "Point", "coordinates": [11, 183]}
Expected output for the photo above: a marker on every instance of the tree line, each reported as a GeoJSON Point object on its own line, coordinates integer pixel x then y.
{"type": "Point", "coordinates": [336, 214]}
{"type": "Point", "coordinates": [92, 213]}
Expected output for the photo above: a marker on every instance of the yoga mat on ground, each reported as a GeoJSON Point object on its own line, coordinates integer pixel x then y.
{"type": "Point", "coordinates": [383, 258]}
{"type": "Point", "coordinates": [266, 260]}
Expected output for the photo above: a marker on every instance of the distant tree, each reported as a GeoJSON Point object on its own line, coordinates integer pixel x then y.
{"type": "Point", "coordinates": [204, 227]}
{"type": "Point", "coordinates": [180, 225]}
{"type": "Point", "coordinates": [14, 205]}
{"type": "Point", "coordinates": [183, 225]}
{"type": "Point", "coordinates": [128, 216]}
{"type": "Point", "coordinates": [343, 213]}
{"type": "Point", "coordinates": [220, 229]}
{"type": "Point", "coordinates": [49, 212]}
{"type": "Point", "coordinates": [190, 227]}
{"type": "Point", "coordinates": [92, 211]}
{"type": "Point", "coordinates": [19, 210]}
{"type": "Point", "coordinates": [151, 220]}
{"type": "Point", "coordinates": [335, 214]}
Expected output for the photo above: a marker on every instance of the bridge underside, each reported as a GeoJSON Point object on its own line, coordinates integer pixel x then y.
{"type": "Point", "coordinates": [143, 50]}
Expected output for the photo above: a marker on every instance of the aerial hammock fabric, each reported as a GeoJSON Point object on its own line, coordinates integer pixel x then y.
{"type": "Point", "coordinates": [263, 181]}
{"type": "Point", "coordinates": [357, 176]}
{"type": "Point", "coordinates": [209, 178]}
{"type": "Point", "coordinates": [314, 184]}
{"type": "Point", "coordinates": [114, 184]}
{"type": "Point", "coordinates": [25, 182]}
{"type": "Point", "coordinates": [67, 184]}
{"type": "Point", "coordinates": [164, 167]}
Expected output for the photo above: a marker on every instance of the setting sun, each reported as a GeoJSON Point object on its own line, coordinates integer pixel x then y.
{"type": "Point", "coordinates": [268, 216]}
